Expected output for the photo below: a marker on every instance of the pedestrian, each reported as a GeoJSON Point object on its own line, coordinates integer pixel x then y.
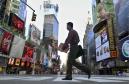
{"type": "Point", "coordinates": [75, 51]}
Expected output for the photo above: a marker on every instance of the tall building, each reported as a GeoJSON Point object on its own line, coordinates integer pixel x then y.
{"type": "Point", "coordinates": [50, 31]}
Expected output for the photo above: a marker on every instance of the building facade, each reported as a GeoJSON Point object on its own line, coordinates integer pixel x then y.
{"type": "Point", "coordinates": [50, 35]}
{"type": "Point", "coordinates": [109, 38]}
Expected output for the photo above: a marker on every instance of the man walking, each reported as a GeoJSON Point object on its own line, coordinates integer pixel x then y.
{"type": "Point", "coordinates": [75, 52]}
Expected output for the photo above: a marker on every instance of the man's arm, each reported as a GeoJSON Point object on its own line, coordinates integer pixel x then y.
{"type": "Point", "coordinates": [67, 41]}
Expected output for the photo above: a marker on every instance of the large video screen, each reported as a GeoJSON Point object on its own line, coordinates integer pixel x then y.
{"type": "Point", "coordinates": [16, 22]}
{"type": "Point", "coordinates": [28, 53]}
{"type": "Point", "coordinates": [6, 42]}
{"type": "Point", "coordinates": [124, 48]}
{"type": "Point", "coordinates": [102, 45]}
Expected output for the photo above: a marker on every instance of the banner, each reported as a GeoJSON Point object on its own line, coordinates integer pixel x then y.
{"type": "Point", "coordinates": [35, 34]}
{"type": "Point", "coordinates": [17, 47]}
{"type": "Point", "coordinates": [6, 42]}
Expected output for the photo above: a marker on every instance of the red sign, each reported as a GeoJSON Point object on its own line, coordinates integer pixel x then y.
{"type": "Point", "coordinates": [6, 42]}
{"type": "Point", "coordinates": [28, 53]}
{"type": "Point", "coordinates": [16, 22]}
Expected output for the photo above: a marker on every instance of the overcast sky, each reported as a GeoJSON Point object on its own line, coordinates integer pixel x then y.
{"type": "Point", "coordinates": [75, 11]}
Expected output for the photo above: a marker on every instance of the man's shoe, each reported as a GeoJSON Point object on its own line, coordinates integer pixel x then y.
{"type": "Point", "coordinates": [89, 74]}
{"type": "Point", "coordinates": [67, 78]}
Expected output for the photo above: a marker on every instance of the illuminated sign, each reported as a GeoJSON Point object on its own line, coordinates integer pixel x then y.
{"type": "Point", "coordinates": [124, 48]}
{"type": "Point", "coordinates": [22, 63]}
{"type": "Point", "coordinates": [6, 42]}
{"type": "Point", "coordinates": [17, 62]}
{"type": "Point", "coordinates": [102, 45]}
{"type": "Point", "coordinates": [28, 64]}
{"type": "Point", "coordinates": [111, 35]}
{"type": "Point", "coordinates": [16, 22]}
{"type": "Point", "coordinates": [11, 61]}
{"type": "Point", "coordinates": [28, 53]}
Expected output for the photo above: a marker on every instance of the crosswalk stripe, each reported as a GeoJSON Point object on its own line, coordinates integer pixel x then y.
{"type": "Point", "coordinates": [35, 78]}
{"type": "Point", "coordinates": [7, 78]}
{"type": "Point", "coordinates": [98, 79]}
{"type": "Point", "coordinates": [59, 79]}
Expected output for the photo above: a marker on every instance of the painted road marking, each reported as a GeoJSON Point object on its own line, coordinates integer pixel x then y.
{"type": "Point", "coordinates": [59, 79]}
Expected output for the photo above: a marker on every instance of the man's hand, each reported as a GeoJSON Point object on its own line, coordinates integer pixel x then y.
{"type": "Point", "coordinates": [63, 48]}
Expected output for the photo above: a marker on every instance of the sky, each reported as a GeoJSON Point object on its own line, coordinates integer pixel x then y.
{"type": "Point", "coordinates": [75, 11]}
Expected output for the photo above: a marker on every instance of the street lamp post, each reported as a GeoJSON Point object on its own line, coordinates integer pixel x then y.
{"type": "Point", "coordinates": [34, 60]}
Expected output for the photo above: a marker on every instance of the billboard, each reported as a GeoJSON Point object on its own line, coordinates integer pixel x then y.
{"type": "Point", "coordinates": [35, 34]}
{"type": "Point", "coordinates": [11, 61]}
{"type": "Point", "coordinates": [105, 8]}
{"type": "Point", "coordinates": [6, 42]}
{"type": "Point", "coordinates": [22, 10]}
{"type": "Point", "coordinates": [28, 53]}
{"type": "Point", "coordinates": [17, 47]}
{"type": "Point", "coordinates": [1, 36]}
{"type": "Point", "coordinates": [122, 15]}
{"type": "Point", "coordinates": [17, 61]}
{"type": "Point", "coordinates": [124, 48]}
{"type": "Point", "coordinates": [102, 45]}
{"type": "Point", "coordinates": [16, 22]}
{"type": "Point", "coordinates": [2, 8]}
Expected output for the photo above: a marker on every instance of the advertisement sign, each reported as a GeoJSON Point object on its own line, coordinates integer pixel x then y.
{"type": "Point", "coordinates": [122, 15]}
{"type": "Point", "coordinates": [22, 10]}
{"type": "Point", "coordinates": [105, 8]}
{"type": "Point", "coordinates": [11, 61]}
{"type": "Point", "coordinates": [6, 42]}
{"type": "Point", "coordinates": [16, 22]}
{"type": "Point", "coordinates": [22, 63]}
{"type": "Point", "coordinates": [1, 36]}
{"type": "Point", "coordinates": [102, 45]}
{"type": "Point", "coordinates": [17, 61]}
{"type": "Point", "coordinates": [2, 8]}
{"type": "Point", "coordinates": [124, 48]}
{"type": "Point", "coordinates": [35, 34]}
{"type": "Point", "coordinates": [28, 53]}
{"type": "Point", "coordinates": [111, 35]}
{"type": "Point", "coordinates": [17, 47]}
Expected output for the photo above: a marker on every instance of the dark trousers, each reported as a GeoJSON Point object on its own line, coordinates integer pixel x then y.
{"type": "Point", "coordinates": [73, 54]}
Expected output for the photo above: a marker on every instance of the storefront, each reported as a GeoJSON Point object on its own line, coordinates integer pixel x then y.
{"type": "Point", "coordinates": [16, 65]}
{"type": "Point", "coordinates": [3, 65]}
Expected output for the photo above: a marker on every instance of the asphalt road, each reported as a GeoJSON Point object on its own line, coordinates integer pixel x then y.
{"type": "Point", "coordinates": [57, 79]}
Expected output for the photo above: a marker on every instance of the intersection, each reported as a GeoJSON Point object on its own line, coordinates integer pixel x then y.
{"type": "Point", "coordinates": [57, 79]}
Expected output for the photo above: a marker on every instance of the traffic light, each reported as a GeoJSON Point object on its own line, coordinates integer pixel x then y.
{"type": "Point", "coordinates": [33, 17]}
